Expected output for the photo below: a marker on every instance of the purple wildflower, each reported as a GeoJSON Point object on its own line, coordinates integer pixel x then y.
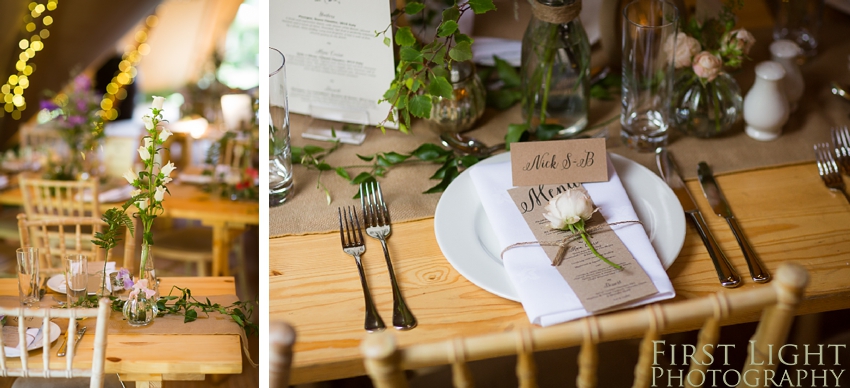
{"type": "Point", "coordinates": [75, 120]}
{"type": "Point", "coordinates": [47, 104]}
{"type": "Point", "coordinates": [124, 274]}
{"type": "Point", "coordinates": [82, 82]}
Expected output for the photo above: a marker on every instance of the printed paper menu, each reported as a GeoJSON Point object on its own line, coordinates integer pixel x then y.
{"type": "Point", "coordinates": [598, 286]}
{"type": "Point", "coordinates": [336, 68]}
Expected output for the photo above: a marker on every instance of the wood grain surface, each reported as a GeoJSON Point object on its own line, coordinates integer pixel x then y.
{"type": "Point", "coordinates": [155, 358]}
{"type": "Point", "coordinates": [786, 212]}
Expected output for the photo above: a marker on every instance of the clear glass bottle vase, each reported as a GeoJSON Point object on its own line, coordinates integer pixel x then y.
{"type": "Point", "coordinates": [140, 310]}
{"type": "Point", "coordinates": [555, 74]}
{"type": "Point", "coordinates": [148, 270]}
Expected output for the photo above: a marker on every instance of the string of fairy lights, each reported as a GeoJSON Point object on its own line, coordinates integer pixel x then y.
{"type": "Point", "coordinates": [126, 73]}
{"type": "Point", "coordinates": [12, 91]}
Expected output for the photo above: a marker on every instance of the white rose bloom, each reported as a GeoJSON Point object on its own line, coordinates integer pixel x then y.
{"type": "Point", "coordinates": [568, 208]}
{"type": "Point", "coordinates": [159, 194]}
{"type": "Point", "coordinates": [148, 122]}
{"type": "Point", "coordinates": [144, 154]}
{"type": "Point", "coordinates": [157, 102]}
{"type": "Point", "coordinates": [130, 176]}
{"type": "Point", "coordinates": [164, 135]}
{"type": "Point", "coordinates": [167, 169]}
{"type": "Point", "coordinates": [143, 204]}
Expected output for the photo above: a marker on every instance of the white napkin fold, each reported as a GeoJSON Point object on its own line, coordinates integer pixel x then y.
{"type": "Point", "coordinates": [117, 194]}
{"type": "Point", "coordinates": [31, 334]}
{"type": "Point", "coordinates": [545, 295]}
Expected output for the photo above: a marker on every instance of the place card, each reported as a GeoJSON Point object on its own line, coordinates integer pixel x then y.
{"type": "Point", "coordinates": [559, 161]}
{"type": "Point", "coordinates": [336, 68]}
{"type": "Point", "coordinates": [597, 285]}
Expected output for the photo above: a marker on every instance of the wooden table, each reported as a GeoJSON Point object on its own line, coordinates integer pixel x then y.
{"type": "Point", "coordinates": [150, 359]}
{"type": "Point", "coordinates": [226, 217]}
{"type": "Point", "coordinates": [787, 213]}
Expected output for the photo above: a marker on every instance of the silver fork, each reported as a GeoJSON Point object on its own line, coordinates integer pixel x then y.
{"type": "Point", "coordinates": [377, 220]}
{"type": "Point", "coordinates": [841, 142]}
{"type": "Point", "coordinates": [828, 169]}
{"type": "Point", "coordinates": [353, 244]}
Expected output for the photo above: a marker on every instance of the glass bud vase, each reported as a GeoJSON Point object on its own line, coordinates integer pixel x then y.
{"type": "Point", "coordinates": [555, 73]}
{"type": "Point", "coordinates": [140, 310]}
{"type": "Point", "coordinates": [148, 271]}
{"type": "Point", "coordinates": [459, 113]}
{"type": "Point", "coordinates": [706, 109]}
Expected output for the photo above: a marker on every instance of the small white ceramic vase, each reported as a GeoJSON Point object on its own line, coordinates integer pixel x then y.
{"type": "Point", "coordinates": [785, 52]}
{"type": "Point", "coordinates": [766, 106]}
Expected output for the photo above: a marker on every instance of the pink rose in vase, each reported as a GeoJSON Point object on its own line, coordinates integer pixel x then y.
{"type": "Point", "coordinates": [707, 66]}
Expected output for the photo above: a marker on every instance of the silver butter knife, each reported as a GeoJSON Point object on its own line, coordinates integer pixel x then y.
{"type": "Point", "coordinates": [718, 203]}
{"type": "Point", "coordinates": [670, 173]}
{"type": "Point", "coordinates": [77, 339]}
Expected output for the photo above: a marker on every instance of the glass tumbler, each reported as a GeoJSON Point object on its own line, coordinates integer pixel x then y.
{"type": "Point", "coordinates": [647, 73]}
{"type": "Point", "coordinates": [280, 156]}
{"type": "Point", "coordinates": [27, 269]}
{"type": "Point", "coordinates": [799, 21]}
{"type": "Point", "coordinates": [76, 278]}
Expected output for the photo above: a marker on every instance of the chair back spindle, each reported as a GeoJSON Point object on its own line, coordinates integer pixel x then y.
{"type": "Point", "coordinates": [385, 362]}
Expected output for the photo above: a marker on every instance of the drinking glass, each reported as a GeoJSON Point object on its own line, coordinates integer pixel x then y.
{"type": "Point", "coordinates": [647, 72]}
{"type": "Point", "coordinates": [799, 21]}
{"type": "Point", "coordinates": [76, 278]}
{"type": "Point", "coordinates": [280, 157]}
{"type": "Point", "coordinates": [27, 269]}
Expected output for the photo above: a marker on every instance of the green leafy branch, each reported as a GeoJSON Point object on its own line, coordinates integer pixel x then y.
{"type": "Point", "coordinates": [379, 164]}
{"type": "Point", "coordinates": [114, 219]}
{"type": "Point", "coordinates": [422, 69]}
{"type": "Point", "coordinates": [187, 306]}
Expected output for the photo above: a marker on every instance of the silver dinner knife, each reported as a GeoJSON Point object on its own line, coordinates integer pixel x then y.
{"type": "Point", "coordinates": [670, 173]}
{"type": "Point", "coordinates": [77, 339]}
{"type": "Point", "coordinates": [718, 203]}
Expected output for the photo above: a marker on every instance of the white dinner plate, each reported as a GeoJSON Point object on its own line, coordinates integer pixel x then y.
{"type": "Point", "coordinates": [467, 240]}
{"type": "Point", "coordinates": [37, 342]}
{"type": "Point", "coordinates": [57, 284]}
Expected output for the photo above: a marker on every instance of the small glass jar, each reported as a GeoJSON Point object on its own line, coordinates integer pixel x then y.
{"type": "Point", "coordinates": [705, 109]}
{"type": "Point", "coordinates": [459, 113]}
{"type": "Point", "coordinates": [140, 310]}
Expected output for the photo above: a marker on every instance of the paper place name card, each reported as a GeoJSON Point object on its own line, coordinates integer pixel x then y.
{"type": "Point", "coordinates": [560, 161]}
{"type": "Point", "coordinates": [336, 68]}
{"type": "Point", "coordinates": [597, 285]}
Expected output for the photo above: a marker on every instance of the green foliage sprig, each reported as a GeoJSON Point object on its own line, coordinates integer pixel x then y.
{"type": "Point", "coordinates": [379, 164]}
{"type": "Point", "coordinates": [187, 306]}
{"type": "Point", "coordinates": [109, 239]}
{"type": "Point", "coordinates": [423, 69]}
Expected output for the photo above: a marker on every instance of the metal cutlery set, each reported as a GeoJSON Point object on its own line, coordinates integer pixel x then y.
{"type": "Point", "coordinates": [833, 159]}
{"type": "Point", "coordinates": [376, 219]}
{"type": "Point", "coordinates": [725, 271]}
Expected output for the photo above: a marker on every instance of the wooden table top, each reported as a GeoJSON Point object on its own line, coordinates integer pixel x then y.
{"type": "Point", "coordinates": [786, 212]}
{"type": "Point", "coordinates": [186, 201]}
{"type": "Point", "coordinates": [158, 357]}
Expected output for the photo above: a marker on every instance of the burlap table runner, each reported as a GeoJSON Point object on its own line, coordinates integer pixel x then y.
{"type": "Point", "coordinates": [308, 212]}
{"type": "Point", "coordinates": [215, 323]}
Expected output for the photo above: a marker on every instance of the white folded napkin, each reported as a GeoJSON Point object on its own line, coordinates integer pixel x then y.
{"type": "Point", "coordinates": [11, 333]}
{"type": "Point", "coordinates": [117, 194]}
{"type": "Point", "coordinates": [545, 295]}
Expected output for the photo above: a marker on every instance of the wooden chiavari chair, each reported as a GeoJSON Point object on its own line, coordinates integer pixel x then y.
{"type": "Point", "coordinates": [386, 363]}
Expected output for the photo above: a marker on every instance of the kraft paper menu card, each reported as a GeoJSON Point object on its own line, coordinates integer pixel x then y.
{"type": "Point", "coordinates": [559, 161]}
{"type": "Point", "coordinates": [336, 68]}
{"type": "Point", "coordinates": [545, 296]}
{"type": "Point", "coordinates": [597, 285]}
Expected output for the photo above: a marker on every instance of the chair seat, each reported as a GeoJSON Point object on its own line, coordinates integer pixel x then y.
{"type": "Point", "coordinates": [109, 381]}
